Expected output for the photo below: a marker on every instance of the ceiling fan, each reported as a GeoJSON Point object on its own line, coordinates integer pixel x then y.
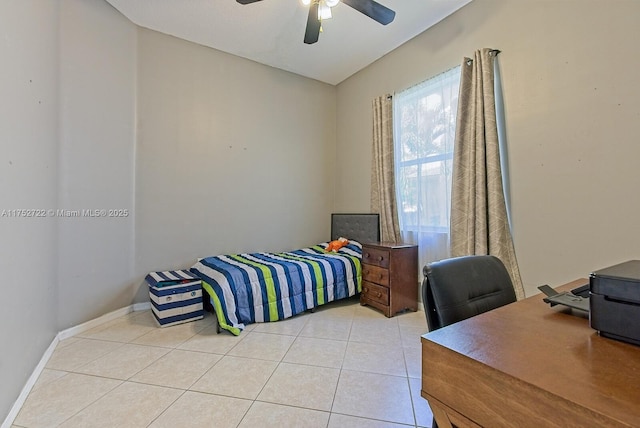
{"type": "Point", "coordinates": [318, 8]}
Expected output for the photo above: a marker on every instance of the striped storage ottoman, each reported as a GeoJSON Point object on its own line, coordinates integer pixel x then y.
{"type": "Point", "coordinates": [176, 297]}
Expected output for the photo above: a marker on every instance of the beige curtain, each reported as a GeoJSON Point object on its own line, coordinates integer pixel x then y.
{"type": "Point", "coordinates": [383, 189]}
{"type": "Point", "coordinates": [479, 223]}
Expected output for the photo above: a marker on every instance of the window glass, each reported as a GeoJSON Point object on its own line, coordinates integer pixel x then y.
{"type": "Point", "coordinates": [424, 133]}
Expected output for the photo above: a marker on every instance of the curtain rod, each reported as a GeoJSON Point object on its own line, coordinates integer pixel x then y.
{"type": "Point", "coordinates": [493, 52]}
{"type": "Point", "coordinates": [421, 82]}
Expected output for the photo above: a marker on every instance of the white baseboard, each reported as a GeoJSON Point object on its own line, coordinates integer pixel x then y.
{"type": "Point", "coordinates": [72, 331]}
{"type": "Point", "coordinates": [144, 306]}
{"type": "Point", "coordinates": [13, 413]}
{"type": "Point", "coordinates": [65, 334]}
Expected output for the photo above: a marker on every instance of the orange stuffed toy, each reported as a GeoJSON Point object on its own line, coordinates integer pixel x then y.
{"type": "Point", "coordinates": [337, 244]}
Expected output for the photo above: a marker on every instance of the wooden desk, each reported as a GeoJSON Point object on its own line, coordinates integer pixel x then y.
{"type": "Point", "coordinates": [529, 365]}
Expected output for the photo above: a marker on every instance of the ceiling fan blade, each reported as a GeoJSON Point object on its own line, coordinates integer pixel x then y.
{"type": "Point", "coordinates": [312, 33]}
{"type": "Point", "coordinates": [247, 1]}
{"type": "Point", "coordinates": [373, 10]}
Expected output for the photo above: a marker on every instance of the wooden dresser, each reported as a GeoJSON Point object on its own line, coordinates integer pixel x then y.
{"type": "Point", "coordinates": [390, 277]}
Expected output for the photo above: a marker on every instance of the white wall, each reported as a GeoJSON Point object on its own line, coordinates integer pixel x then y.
{"type": "Point", "coordinates": [28, 180]}
{"type": "Point", "coordinates": [67, 114]}
{"type": "Point", "coordinates": [232, 156]}
{"type": "Point", "coordinates": [572, 101]}
{"type": "Point", "coordinates": [97, 149]}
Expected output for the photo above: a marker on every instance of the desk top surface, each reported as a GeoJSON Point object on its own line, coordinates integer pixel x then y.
{"type": "Point", "coordinates": [555, 349]}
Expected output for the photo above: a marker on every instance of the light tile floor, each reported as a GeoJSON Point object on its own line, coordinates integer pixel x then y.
{"type": "Point", "coordinates": [345, 365]}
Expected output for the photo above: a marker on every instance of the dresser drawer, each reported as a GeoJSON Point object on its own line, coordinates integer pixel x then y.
{"type": "Point", "coordinates": [390, 277]}
{"type": "Point", "coordinates": [374, 256]}
{"type": "Point", "coordinates": [375, 292]}
{"type": "Point", "coordinates": [375, 274]}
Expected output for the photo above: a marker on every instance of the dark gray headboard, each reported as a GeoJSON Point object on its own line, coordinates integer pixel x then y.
{"type": "Point", "coordinates": [359, 227]}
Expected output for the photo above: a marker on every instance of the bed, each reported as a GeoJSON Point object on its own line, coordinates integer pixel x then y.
{"type": "Point", "coordinates": [246, 288]}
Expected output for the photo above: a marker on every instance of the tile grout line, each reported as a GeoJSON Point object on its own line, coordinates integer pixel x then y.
{"type": "Point", "coordinates": [94, 401]}
{"type": "Point", "coordinates": [166, 408]}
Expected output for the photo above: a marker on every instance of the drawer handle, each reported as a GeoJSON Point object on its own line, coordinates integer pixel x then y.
{"type": "Point", "coordinates": [380, 276]}
{"type": "Point", "coordinates": [379, 258]}
{"type": "Point", "coordinates": [366, 289]}
{"type": "Point", "coordinates": [367, 255]}
{"type": "Point", "coordinates": [379, 294]}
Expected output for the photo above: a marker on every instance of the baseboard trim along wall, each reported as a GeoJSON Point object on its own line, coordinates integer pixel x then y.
{"type": "Point", "coordinates": [65, 334]}
{"type": "Point", "coordinates": [13, 413]}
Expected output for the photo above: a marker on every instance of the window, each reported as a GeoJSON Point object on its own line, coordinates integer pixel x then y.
{"type": "Point", "coordinates": [424, 133]}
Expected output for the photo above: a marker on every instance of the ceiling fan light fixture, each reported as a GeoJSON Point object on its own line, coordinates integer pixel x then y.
{"type": "Point", "coordinates": [321, 9]}
{"type": "Point", "coordinates": [324, 11]}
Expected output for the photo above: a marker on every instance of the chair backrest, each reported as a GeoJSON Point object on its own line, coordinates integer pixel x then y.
{"type": "Point", "coordinates": [462, 287]}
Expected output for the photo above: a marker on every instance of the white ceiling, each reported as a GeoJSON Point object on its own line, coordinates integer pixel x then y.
{"type": "Point", "coordinates": [271, 32]}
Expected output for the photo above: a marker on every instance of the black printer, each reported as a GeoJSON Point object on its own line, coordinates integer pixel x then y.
{"type": "Point", "coordinates": [615, 301]}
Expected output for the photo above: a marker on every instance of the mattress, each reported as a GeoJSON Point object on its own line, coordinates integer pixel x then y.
{"type": "Point", "coordinates": [264, 287]}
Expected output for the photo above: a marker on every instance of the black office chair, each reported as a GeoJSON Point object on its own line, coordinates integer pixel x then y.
{"type": "Point", "coordinates": [459, 288]}
{"type": "Point", "coordinates": [462, 287]}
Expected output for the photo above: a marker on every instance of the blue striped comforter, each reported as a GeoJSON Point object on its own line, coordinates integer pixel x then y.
{"type": "Point", "coordinates": [261, 287]}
